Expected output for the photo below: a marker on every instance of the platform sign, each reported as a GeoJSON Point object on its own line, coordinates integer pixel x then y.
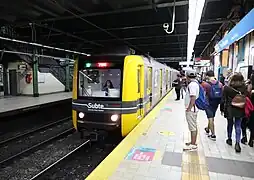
{"type": "Point", "coordinates": [141, 154]}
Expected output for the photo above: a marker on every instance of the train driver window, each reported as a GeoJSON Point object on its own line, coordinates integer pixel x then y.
{"type": "Point", "coordinates": [100, 83]}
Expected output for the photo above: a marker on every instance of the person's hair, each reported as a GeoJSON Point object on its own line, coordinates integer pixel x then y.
{"type": "Point", "coordinates": [110, 86]}
{"type": "Point", "coordinates": [236, 80]}
{"type": "Point", "coordinates": [210, 73]}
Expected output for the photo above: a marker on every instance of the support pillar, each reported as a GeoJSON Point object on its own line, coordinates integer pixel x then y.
{"type": "Point", "coordinates": [67, 74]}
{"type": "Point", "coordinates": [5, 79]}
{"type": "Point", "coordinates": [35, 65]}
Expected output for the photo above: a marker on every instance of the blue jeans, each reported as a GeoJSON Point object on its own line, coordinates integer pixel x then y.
{"type": "Point", "coordinates": [237, 123]}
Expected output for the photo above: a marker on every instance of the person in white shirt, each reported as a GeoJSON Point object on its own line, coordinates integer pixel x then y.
{"type": "Point", "coordinates": [191, 113]}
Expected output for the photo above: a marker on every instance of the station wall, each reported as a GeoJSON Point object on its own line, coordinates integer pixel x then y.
{"type": "Point", "coordinates": [249, 49]}
{"type": "Point", "coordinates": [47, 83]}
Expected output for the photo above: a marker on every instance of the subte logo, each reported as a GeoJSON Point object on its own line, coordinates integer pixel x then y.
{"type": "Point", "coordinates": [94, 106]}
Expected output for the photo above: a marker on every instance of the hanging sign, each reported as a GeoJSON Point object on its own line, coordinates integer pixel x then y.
{"type": "Point", "coordinates": [241, 29]}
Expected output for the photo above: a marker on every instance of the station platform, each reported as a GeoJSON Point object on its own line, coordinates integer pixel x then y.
{"type": "Point", "coordinates": [13, 105]}
{"type": "Point", "coordinates": [154, 150]}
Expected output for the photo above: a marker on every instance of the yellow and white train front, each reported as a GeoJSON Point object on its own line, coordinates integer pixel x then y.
{"type": "Point", "coordinates": [97, 96]}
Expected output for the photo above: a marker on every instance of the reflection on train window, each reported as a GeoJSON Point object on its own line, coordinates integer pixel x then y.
{"type": "Point", "coordinates": [100, 83]}
{"type": "Point", "coordinates": [156, 74]}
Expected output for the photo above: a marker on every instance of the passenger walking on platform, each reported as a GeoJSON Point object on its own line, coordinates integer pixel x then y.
{"type": "Point", "coordinates": [192, 94]}
{"type": "Point", "coordinates": [222, 79]}
{"type": "Point", "coordinates": [177, 85]}
{"type": "Point", "coordinates": [183, 85]}
{"type": "Point", "coordinates": [248, 121]}
{"type": "Point", "coordinates": [233, 107]}
{"type": "Point", "coordinates": [213, 89]}
{"type": "Point", "coordinates": [251, 119]}
{"type": "Point", "coordinates": [244, 123]}
{"type": "Point", "coordinates": [229, 74]}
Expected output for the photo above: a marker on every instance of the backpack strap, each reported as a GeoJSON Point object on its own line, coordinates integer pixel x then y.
{"type": "Point", "coordinates": [239, 92]}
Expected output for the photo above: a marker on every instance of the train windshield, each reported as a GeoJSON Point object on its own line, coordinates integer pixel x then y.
{"type": "Point", "coordinates": [100, 83]}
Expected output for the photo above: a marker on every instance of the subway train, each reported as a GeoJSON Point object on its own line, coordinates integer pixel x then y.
{"type": "Point", "coordinates": [115, 92]}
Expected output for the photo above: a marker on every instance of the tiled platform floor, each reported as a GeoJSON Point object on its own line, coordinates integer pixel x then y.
{"type": "Point", "coordinates": [9, 104]}
{"type": "Point", "coordinates": [214, 160]}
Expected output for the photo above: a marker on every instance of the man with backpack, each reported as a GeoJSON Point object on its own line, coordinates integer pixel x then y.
{"type": "Point", "coordinates": [192, 94]}
{"type": "Point", "coordinates": [213, 89]}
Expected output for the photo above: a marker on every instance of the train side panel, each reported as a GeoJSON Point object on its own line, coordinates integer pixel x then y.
{"type": "Point", "coordinates": [132, 83]}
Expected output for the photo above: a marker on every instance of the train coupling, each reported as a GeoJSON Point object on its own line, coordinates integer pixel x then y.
{"type": "Point", "coordinates": [94, 135]}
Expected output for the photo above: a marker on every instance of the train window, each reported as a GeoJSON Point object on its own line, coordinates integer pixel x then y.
{"type": "Point", "coordinates": [150, 81]}
{"type": "Point", "coordinates": [138, 78]}
{"type": "Point", "coordinates": [100, 83]}
{"type": "Point", "coordinates": [156, 74]}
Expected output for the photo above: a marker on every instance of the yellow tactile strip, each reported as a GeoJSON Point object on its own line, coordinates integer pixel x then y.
{"type": "Point", "coordinates": [108, 166]}
{"type": "Point", "coordinates": [194, 166]}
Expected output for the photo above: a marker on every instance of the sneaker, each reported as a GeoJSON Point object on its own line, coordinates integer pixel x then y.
{"type": "Point", "coordinates": [212, 137]}
{"type": "Point", "coordinates": [229, 142]}
{"type": "Point", "coordinates": [244, 140]}
{"type": "Point", "coordinates": [207, 131]}
{"type": "Point", "coordinates": [191, 147]}
{"type": "Point", "coordinates": [237, 147]}
{"type": "Point", "coordinates": [250, 143]}
{"type": "Point", "coordinates": [189, 143]}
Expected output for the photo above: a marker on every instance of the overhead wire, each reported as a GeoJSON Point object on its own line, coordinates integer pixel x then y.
{"type": "Point", "coordinates": [37, 55]}
{"type": "Point", "coordinates": [94, 25]}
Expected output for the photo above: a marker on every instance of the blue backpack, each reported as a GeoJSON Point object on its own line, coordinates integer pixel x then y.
{"type": "Point", "coordinates": [215, 91]}
{"type": "Point", "coordinates": [201, 102]}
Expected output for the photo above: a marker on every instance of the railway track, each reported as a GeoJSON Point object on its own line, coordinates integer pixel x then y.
{"type": "Point", "coordinates": [20, 135]}
{"type": "Point", "coordinates": [25, 143]}
{"type": "Point", "coordinates": [79, 163]}
{"type": "Point", "coordinates": [36, 163]}
{"type": "Point", "coordinates": [44, 171]}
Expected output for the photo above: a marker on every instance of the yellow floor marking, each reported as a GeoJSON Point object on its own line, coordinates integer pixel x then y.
{"type": "Point", "coordinates": [167, 133]}
{"type": "Point", "coordinates": [108, 166]}
{"type": "Point", "coordinates": [157, 155]}
{"type": "Point", "coordinates": [194, 165]}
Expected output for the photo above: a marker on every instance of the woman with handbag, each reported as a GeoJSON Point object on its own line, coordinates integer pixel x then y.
{"type": "Point", "coordinates": [233, 104]}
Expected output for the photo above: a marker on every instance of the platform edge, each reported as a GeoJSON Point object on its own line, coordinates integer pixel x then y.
{"type": "Point", "coordinates": [113, 160]}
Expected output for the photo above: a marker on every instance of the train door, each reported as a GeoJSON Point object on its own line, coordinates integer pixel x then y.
{"type": "Point", "coordinates": [140, 96]}
{"type": "Point", "coordinates": [161, 81]}
{"type": "Point", "coordinates": [149, 87]}
{"type": "Point", "coordinates": [166, 80]}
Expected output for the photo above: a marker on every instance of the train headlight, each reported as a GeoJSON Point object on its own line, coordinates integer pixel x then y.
{"type": "Point", "coordinates": [81, 115]}
{"type": "Point", "coordinates": [114, 117]}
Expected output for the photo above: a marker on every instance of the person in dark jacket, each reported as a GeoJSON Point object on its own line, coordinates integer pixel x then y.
{"type": "Point", "coordinates": [245, 120]}
{"type": "Point", "coordinates": [251, 118]}
{"type": "Point", "coordinates": [177, 85]}
{"type": "Point", "coordinates": [233, 114]}
{"type": "Point", "coordinates": [222, 79]}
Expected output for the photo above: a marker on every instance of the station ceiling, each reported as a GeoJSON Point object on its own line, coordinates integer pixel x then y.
{"type": "Point", "coordinates": [86, 25]}
{"type": "Point", "coordinates": [222, 14]}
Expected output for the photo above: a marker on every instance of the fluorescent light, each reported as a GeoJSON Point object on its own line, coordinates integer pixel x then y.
{"type": "Point", "coordinates": [195, 12]}
{"type": "Point", "coordinates": [41, 45]}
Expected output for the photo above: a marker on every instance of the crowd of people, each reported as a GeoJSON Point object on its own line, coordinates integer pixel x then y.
{"type": "Point", "coordinates": [232, 95]}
